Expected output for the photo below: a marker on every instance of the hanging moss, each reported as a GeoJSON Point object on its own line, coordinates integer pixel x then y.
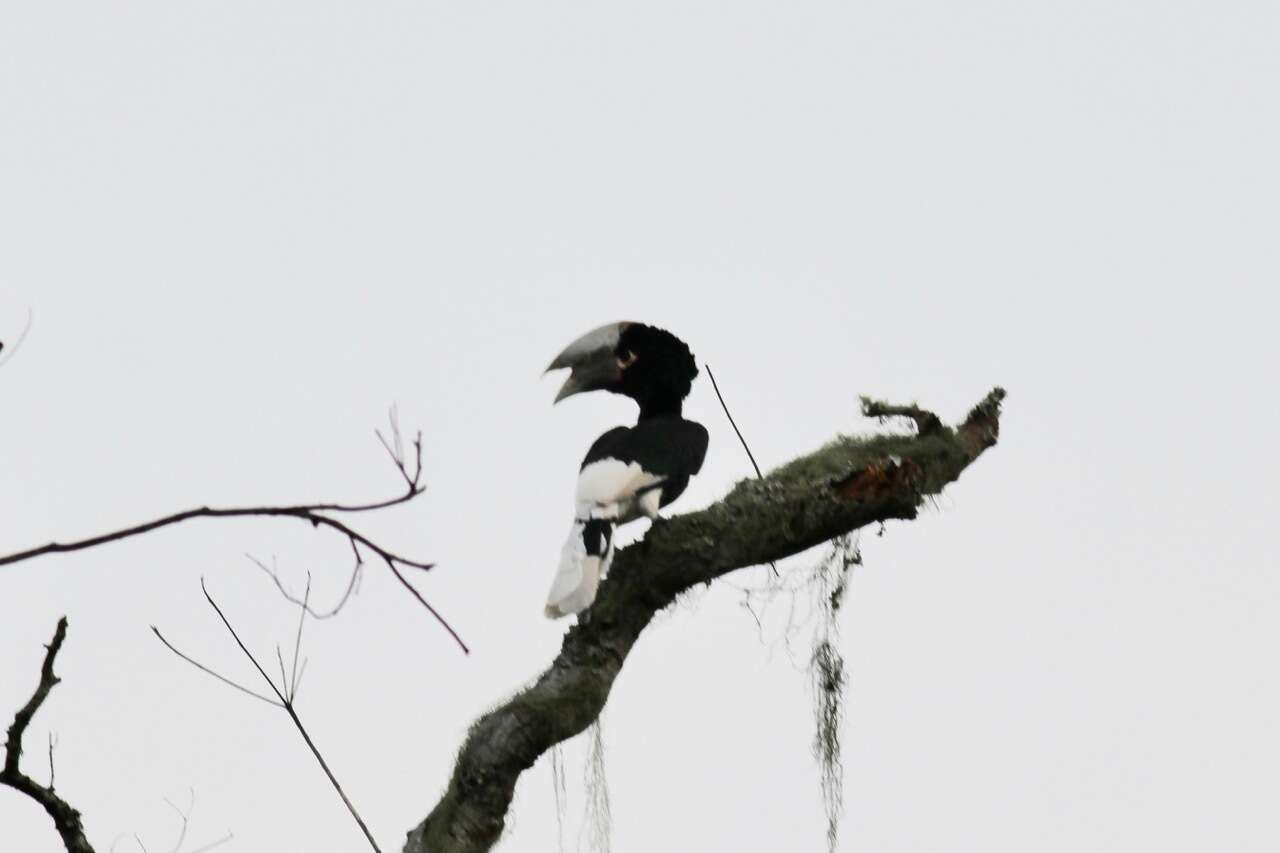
{"type": "Point", "coordinates": [828, 680]}
{"type": "Point", "coordinates": [827, 672]}
{"type": "Point", "coordinates": [599, 818]}
{"type": "Point", "coordinates": [561, 792]}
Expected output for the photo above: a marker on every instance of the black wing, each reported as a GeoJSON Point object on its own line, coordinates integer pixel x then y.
{"type": "Point", "coordinates": [667, 447]}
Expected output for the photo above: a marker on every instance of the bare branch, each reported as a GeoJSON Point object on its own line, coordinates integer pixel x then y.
{"type": "Point", "coordinates": [314, 514]}
{"type": "Point", "coordinates": [310, 513]}
{"type": "Point", "coordinates": [840, 488]}
{"type": "Point", "coordinates": [285, 693]}
{"type": "Point", "coordinates": [65, 818]}
{"type": "Point", "coordinates": [352, 584]}
{"type": "Point", "coordinates": [414, 592]}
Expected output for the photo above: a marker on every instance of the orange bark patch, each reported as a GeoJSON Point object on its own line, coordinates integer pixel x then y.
{"type": "Point", "coordinates": [875, 480]}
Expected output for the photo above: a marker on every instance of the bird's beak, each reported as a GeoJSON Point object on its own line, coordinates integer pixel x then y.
{"type": "Point", "coordinates": [592, 360]}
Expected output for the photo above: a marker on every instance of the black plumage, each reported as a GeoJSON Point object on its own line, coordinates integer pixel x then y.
{"type": "Point", "coordinates": [628, 472]}
{"type": "Point", "coordinates": [667, 446]}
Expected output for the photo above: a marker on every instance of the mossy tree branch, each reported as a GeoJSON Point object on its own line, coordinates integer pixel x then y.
{"type": "Point", "coordinates": [846, 485]}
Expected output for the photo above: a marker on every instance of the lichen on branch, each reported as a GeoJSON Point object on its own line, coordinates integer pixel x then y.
{"type": "Point", "coordinates": [847, 484]}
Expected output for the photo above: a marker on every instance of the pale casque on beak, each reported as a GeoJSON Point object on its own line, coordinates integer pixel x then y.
{"type": "Point", "coordinates": [592, 361]}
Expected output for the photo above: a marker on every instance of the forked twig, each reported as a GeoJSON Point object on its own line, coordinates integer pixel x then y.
{"type": "Point", "coordinates": [285, 693]}
{"type": "Point", "coordinates": [352, 585]}
{"type": "Point", "coordinates": [395, 449]}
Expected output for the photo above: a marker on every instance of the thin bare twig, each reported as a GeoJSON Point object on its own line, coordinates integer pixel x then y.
{"type": "Point", "coordinates": [732, 423]}
{"type": "Point", "coordinates": [414, 592]}
{"type": "Point", "coordinates": [221, 841]}
{"type": "Point", "coordinates": [286, 692]}
{"type": "Point", "coordinates": [284, 679]}
{"type": "Point", "coordinates": [253, 660]}
{"type": "Point", "coordinates": [352, 586]}
{"type": "Point", "coordinates": [6, 357]}
{"type": "Point", "coordinates": [297, 642]}
{"type": "Point", "coordinates": [298, 684]}
{"type": "Point", "coordinates": [738, 432]}
{"type": "Point", "coordinates": [395, 449]}
{"type": "Point", "coordinates": [53, 741]}
{"type": "Point", "coordinates": [208, 671]}
{"type": "Point", "coordinates": [332, 779]}
{"type": "Point", "coordinates": [185, 817]}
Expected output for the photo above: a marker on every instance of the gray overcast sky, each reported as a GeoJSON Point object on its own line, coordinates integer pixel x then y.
{"type": "Point", "coordinates": [247, 228]}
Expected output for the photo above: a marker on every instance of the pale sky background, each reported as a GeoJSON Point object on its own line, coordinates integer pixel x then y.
{"type": "Point", "coordinates": [245, 229]}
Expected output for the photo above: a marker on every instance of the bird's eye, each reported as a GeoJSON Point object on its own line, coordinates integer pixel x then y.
{"type": "Point", "coordinates": [627, 359]}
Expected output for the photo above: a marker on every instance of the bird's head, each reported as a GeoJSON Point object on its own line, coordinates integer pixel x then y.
{"type": "Point", "coordinates": [647, 364]}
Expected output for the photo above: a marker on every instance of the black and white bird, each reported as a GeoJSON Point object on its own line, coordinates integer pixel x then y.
{"type": "Point", "coordinates": [629, 472]}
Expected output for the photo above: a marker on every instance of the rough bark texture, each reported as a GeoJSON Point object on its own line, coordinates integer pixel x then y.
{"type": "Point", "coordinates": [848, 484]}
{"type": "Point", "coordinates": [65, 818]}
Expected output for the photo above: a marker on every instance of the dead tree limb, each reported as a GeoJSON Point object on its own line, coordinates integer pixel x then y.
{"type": "Point", "coordinates": [850, 483]}
{"type": "Point", "coordinates": [315, 514]}
{"type": "Point", "coordinates": [65, 818]}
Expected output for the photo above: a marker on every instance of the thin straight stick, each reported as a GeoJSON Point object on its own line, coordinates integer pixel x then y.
{"type": "Point", "coordinates": [332, 779]}
{"type": "Point", "coordinates": [734, 424]}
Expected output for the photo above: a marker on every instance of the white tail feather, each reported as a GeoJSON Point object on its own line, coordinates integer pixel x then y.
{"type": "Point", "coordinates": [578, 576]}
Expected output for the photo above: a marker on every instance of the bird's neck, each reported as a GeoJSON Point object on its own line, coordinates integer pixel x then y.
{"type": "Point", "coordinates": [660, 407]}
